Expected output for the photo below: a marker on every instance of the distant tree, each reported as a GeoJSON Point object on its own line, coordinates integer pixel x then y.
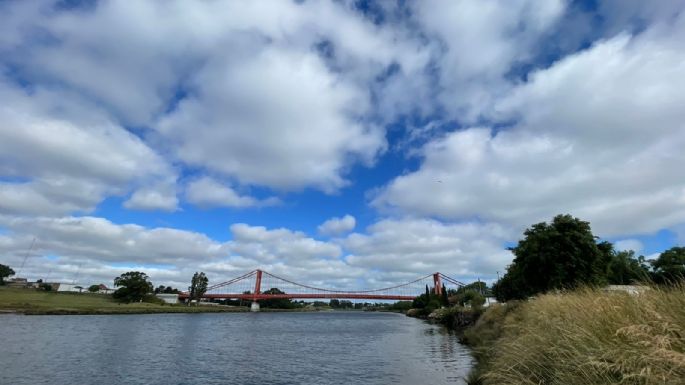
{"type": "Point", "coordinates": [669, 267]}
{"type": "Point", "coordinates": [5, 271]}
{"type": "Point", "coordinates": [94, 288]}
{"type": "Point", "coordinates": [624, 268]}
{"type": "Point", "coordinates": [334, 303]}
{"type": "Point", "coordinates": [160, 289]}
{"type": "Point", "coordinates": [277, 303]}
{"type": "Point", "coordinates": [345, 304]}
{"type": "Point", "coordinates": [478, 286]}
{"type": "Point", "coordinates": [80, 288]}
{"type": "Point", "coordinates": [561, 254]}
{"type": "Point", "coordinates": [170, 290]}
{"type": "Point", "coordinates": [133, 286]}
{"type": "Point", "coordinates": [198, 286]}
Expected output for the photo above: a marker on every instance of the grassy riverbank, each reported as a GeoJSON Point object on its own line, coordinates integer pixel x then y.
{"type": "Point", "coordinates": [585, 337]}
{"type": "Point", "coordinates": [29, 301]}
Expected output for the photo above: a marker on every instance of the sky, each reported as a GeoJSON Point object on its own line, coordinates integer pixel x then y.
{"type": "Point", "coordinates": [343, 144]}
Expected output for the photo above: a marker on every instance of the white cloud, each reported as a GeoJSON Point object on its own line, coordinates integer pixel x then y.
{"type": "Point", "coordinates": [62, 154]}
{"type": "Point", "coordinates": [422, 245]}
{"type": "Point", "coordinates": [480, 42]}
{"type": "Point", "coordinates": [95, 250]}
{"type": "Point", "coordinates": [207, 192]}
{"type": "Point", "coordinates": [337, 226]}
{"type": "Point", "coordinates": [599, 135]}
{"type": "Point", "coordinates": [629, 244]}
{"type": "Point", "coordinates": [238, 89]}
{"type": "Point", "coordinates": [153, 198]}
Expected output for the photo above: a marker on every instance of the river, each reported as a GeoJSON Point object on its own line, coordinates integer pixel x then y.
{"type": "Point", "coordinates": [229, 348]}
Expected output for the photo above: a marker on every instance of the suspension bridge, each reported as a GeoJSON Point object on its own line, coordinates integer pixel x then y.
{"type": "Point", "coordinates": [249, 287]}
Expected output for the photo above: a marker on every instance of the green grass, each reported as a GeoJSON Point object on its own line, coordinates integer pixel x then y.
{"type": "Point", "coordinates": [585, 337]}
{"type": "Point", "coordinates": [30, 301]}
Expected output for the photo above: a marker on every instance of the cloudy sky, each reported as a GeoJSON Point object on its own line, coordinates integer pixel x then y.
{"type": "Point", "coordinates": [339, 143]}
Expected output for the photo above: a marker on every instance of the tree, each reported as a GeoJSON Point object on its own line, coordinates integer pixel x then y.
{"type": "Point", "coordinates": [5, 271]}
{"type": "Point", "coordinates": [562, 254]}
{"type": "Point", "coordinates": [277, 303]}
{"type": "Point", "coordinates": [670, 265]}
{"type": "Point", "coordinates": [625, 269]}
{"type": "Point", "coordinates": [170, 290]}
{"type": "Point", "coordinates": [94, 288]}
{"type": "Point", "coordinates": [469, 297]}
{"type": "Point", "coordinates": [198, 286]}
{"type": "Point", "coordinates": [133, 286]}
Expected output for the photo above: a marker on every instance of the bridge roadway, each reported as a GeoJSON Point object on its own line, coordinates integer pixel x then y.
{"type": "Point", "coordinates": [257, 297]}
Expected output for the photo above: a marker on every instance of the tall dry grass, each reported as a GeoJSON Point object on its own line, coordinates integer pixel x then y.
{"type": "Point", "coordinates": [587, 337]}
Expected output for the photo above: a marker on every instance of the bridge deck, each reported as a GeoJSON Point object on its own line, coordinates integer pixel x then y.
{"type": "Point", "coordinates": [251, 297]}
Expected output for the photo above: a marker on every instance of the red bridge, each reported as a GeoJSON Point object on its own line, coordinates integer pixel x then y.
{"type": "Point", "coordinates": [249, 287]}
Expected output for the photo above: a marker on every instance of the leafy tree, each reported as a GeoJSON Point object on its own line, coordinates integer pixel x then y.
{"type": "Point", "coordinates": [198, 286]}
{"type": "Point", "coordinates": [133, 286]}
{"type": "Point", "coordinates": [670, 265]}
{"type": "Point", "coordinates": [5, 271]}
{"type": "Point", "coordinates": [469, 297]}
{"type": "Point", "coordinates": [561, 254]}
{"type": "Point", "coordinates": [94, 288]}
{"type": "Point", "coordinates": [80, 288]}
{"type": "Point", "coordinates": [277, 303]}
{"type": "Point", "coordinates": [624, 268]}
{"type": "Point", "coordinates": [478, 287]}
{"type": "Point", "coordinates": [334, 303]}
{"type": "Point", "coordinates": [170, 290]}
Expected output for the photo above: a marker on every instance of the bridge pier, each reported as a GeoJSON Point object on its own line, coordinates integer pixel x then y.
{"type": "Point", "coordinates": [254, 307]}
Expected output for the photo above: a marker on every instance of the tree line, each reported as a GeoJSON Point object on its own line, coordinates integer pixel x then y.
{"type": "Point", "coordinates": [565, 254]}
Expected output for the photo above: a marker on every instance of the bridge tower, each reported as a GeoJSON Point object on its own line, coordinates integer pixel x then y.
{"type": "Point", "coordinates": [437, 285]}
{"type": "Point", "coordinates": [257, 290]}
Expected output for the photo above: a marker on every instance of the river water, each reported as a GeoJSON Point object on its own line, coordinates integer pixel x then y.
{"type": "Point", "coordinates": [229, 348]}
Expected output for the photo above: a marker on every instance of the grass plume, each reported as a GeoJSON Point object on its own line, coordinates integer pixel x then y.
{"type": "Point", "coordinates": [587, 337]}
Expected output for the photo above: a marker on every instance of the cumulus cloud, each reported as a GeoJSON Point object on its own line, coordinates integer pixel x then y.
{"type": "Point", "coordinates": [159, 197]}
{"type": "Point", "coordinates": [337, 226]}
{"type": "Point", "coordinates": [277, 96]}
{"type": "Point", "coordinates": [207, 192]}
{"type": "Point", "coordinates": [62, 154]}
{"type": "Point", "coordinates": [95, 249]}
{"type": "Point", "coordinates": [598, 134]}
{"type": "Point", "coordinates": [480, 44]}
{"type": "Point", "coordinates": [422, 245]}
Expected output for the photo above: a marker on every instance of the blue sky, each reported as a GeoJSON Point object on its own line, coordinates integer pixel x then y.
{"type": "Point", "coordinates": [339, 143]}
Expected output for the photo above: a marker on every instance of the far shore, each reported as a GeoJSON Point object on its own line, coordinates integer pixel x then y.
{"type": "Point", "coordinates": [35, 302]}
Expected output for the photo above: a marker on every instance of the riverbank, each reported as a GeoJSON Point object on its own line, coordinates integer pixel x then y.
{"type": "Point", "coordinates": [34, 302]}
{"type": "Point", "coordinates": [585, 337]}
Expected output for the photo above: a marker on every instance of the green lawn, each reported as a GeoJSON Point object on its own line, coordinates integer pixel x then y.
{"type": "Point", "coordinates": [30, 301]}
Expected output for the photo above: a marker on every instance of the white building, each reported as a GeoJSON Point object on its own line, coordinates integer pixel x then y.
{"type": "Point", "coordinates": [168, 298]}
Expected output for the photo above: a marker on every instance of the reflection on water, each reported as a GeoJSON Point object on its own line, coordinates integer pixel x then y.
{"type": "Point", "coordinates": [245, 348]}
